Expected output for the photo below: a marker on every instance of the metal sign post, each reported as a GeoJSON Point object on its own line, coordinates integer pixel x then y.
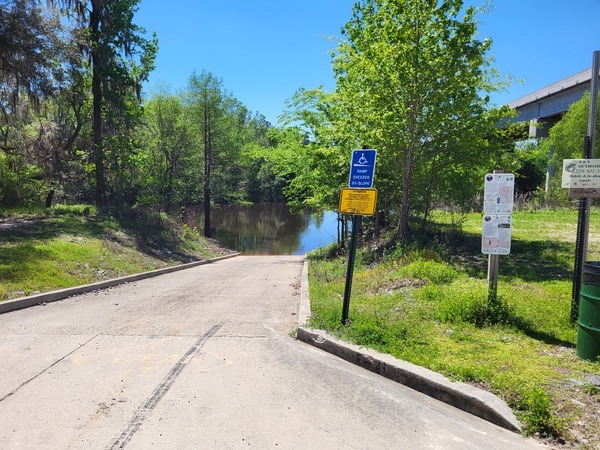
{"type": "Point", "coordinates": [357, 202]}
{"type": "Point", "coordinates": [350, 269]}
{"type": "Point", "coordinates": [492, 277]}
{"type": "Point", "coordinates": [583, 221]}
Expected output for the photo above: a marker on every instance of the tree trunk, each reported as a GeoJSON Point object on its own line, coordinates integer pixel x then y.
{"type": "Point", "coordinates": [429, 189]}
{"type": "Point", "coordinates": [207, 161]}
{"type": "Point", "coordinates": [170, 180]}
{"type": "Point", "coordinates": [49, 198]}
{"type": "Point", "coordinates": [97, 101]}
{"type": "Point", "coordinates": [403, 228]}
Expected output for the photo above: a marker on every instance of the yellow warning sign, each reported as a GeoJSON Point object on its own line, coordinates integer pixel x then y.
{"type": "Point", "coordinates": [358, 201]}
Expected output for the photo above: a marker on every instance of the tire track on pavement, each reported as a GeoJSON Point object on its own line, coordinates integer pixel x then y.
{"type": "Point", "coordinates": [161, 390]}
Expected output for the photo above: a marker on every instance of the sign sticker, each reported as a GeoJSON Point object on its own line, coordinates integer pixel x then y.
{"type": "Point", "coordinates": [358, 201]}
{"type": "Point", "coordinates": [497, 230]}
{"type": "Point", "coordinates": [581, 173]}
{"type": "Point", "coordinates": [499, 192]}
{"type": "Point", "coordinates": [362, 169]}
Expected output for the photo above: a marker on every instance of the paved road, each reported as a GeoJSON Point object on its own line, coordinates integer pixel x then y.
{"type": "Point", "coordinates": [203, 358]}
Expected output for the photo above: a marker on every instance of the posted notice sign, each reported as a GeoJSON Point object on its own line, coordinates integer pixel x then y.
{"type": "Point", "coordinates": [499, 192]}
{"type": "Point", "coordinates": [581, 173]}
{"type": "Point", "coordinates": [498, 203]}
{"type": "Point", "coordinates": [362, 169]}
{"type": "Point", "coordinates": [496, 237]}
{"type": "Point", "coordinates": [360, 202]}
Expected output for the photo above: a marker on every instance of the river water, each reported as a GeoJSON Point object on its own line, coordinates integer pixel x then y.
{"type": "Point", "coordinates": [271, 229]}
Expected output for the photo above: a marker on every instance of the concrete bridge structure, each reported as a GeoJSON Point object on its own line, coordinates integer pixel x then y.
{"type": "Point", "coordinates": [544, 107]}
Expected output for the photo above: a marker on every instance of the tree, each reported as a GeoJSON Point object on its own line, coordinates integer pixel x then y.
{"type": "Point", "coordinates": [113, 39]}
{"type": "Point", "coordinates": [410, 82]}
{"type": "Point", "coordinates": [231, 135]}
{"type": "Point", "coordinates": [27, 53]}
{"type": "Point", "coordinates": [31, 69]}
{"type": "Point", "coordinates": [565, 141]}
{"type": "Point", "coordinates": [521, 155]}
{"type": "Point", "coordinates": [27, 49]}
{"type": "Point", "coordinates": [208, 105]}
{"type": "Point", "coordinates": [167, 163]}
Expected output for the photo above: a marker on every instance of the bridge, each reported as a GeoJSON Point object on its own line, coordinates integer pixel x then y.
{"type": "Point", "coordinates": [544, 107]}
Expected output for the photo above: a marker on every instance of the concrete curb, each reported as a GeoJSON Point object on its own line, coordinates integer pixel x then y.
{"type": "Point", "coordinates": [304, 311]}
{"type": "Point", "coordinates": [463, 396]}
{"type": "Point", "coordinates": [47, 297]}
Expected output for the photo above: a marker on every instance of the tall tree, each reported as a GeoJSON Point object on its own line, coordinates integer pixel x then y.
{"type": "Point", "coordinates": [208, 105]}
{"type": "Point", "coordinates": [167, 161]}
{"type": "Point", "coordinates": [411, 79]}
{"type": "Point", "coordinates": [565, 141]}
{"type": "Point", "coordinates": [31, 70]}
{"type": "Point", "coordinates": [113, 39]}
{"type": "Point", "coordinates": [27, 54]}
{"type": "Point", "coordinates": [224, 127]}
{"type": "Point", "coordinates": [316, 165]}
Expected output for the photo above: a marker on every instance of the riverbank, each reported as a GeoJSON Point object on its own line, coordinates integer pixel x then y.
{"type": "Point", "coordinates": [62, 247]}
{"type": "Point", "coordinates": [426, 304]}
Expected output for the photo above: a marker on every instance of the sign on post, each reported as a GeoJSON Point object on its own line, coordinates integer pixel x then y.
{"type": "Point", "coordinates": [496, 237]}
{"type": "Point", "coordinates": [498, 202]}
{"type": "Point", "coordinates": [358, 201]}
{"type": "Point", "coordinates": [581, 173]}
{"type": "Point", "coordinates": [498, 194]}
{"type": "Point", "coordinates": [581, 177]}
{"type": "Point", "coordinates": [362, 169]}
{"type": "Point", "coordinates": [498, 199]}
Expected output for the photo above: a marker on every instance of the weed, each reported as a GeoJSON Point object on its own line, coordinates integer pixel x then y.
{"type": "Point", "coordinates": [77, 210]}
{"type": "Point", "coordinates": [535, 411]}
{"type": "Point", "coordinates": [469, 302]}
{"type": "Point", "coordinates": [195, 233]}
{"type": "Point", "coordinates": [186, 232]}
{"type": "Point", "coordinates": [431, 271]}
{"type": "Point", "coordinates": [591, 389]}
{"type": "Point", "coordinates": [326, 253]}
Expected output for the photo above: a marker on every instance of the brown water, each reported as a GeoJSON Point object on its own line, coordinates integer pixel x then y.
{"type": "Point", "coordinates": [271, 229]}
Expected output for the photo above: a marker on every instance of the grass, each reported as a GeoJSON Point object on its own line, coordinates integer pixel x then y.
{"type": "Point", "coordinates": [65, 246]}
{"type": "Point", "coordinates": [429, 305]}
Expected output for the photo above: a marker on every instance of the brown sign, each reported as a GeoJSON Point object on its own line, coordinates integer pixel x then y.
{"type": "Point", "coordinates": [359, 202]}
{"type": "Point", "coordinates": [584, 193]}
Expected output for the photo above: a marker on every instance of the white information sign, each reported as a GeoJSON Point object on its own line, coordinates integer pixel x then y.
{"type": "Point", "coordinates": [499, 192]}
{"type": "Point", "coordinates": [581, 173]}
{"type": "Point", "coordinates": [496, 236]}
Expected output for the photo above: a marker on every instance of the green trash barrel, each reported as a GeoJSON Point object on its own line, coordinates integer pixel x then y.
{"type": "Point", "coordinates": [588, 335]}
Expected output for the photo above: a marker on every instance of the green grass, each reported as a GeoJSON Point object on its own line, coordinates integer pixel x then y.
{"type": "Point", "coordinates": [66, 246]}
{"type": "Point", "coordinates": [429, 305]}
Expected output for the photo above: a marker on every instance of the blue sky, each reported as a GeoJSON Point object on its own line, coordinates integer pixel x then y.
{"type": "Point", "coordinates": [264, 50]}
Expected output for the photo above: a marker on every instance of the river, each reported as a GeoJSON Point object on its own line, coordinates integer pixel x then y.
{"type": "Point", "coordinates": [271, 229]}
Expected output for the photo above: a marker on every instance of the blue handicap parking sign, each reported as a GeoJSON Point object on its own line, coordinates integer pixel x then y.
{"type": "Point", "coordinates": [362, 169]}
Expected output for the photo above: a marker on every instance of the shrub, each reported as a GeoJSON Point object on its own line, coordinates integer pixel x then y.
{"type": "Point", "coordinates": [76, 210]}
{"type": "Point", "coordinates": [536, 415]}
{"type": "Point", "coordinates": [431, 271]}
{"type": "Point", "coordinates": [468, 302]}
